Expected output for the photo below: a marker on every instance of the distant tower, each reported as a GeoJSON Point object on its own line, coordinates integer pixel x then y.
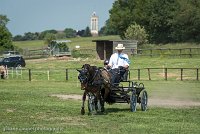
{"type": "Point", "coordinates": [94, 24]}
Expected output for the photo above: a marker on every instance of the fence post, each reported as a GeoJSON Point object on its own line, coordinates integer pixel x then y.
{"type": "Point", "coordinates": [151, 53]}
{"type": "Point", "coordinates": [181, 74]}
{"type": "Point", "coordinates": [138, 74]}
{"type": "Point", "coordinates": [29, 72]}
{"type": "Point", "coordinates": [48, 74]}
{"type": "Point", "coordinates": [190, 53]}
{"type": "Point", "coordinates": [149, 74]}
{"type": "Point", "coordinates": [66, 74]}
{"type": "Point", "coordinates": [165, 73]}
{"type": "Point", "coordinates": [12, 72]}
{"type": "Point", "coordinates": [197, 74]}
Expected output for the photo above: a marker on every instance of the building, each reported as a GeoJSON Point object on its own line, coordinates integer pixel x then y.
{"type": "Point", "coordinates": [94, 24]}
{"type": "Point", "coordinates": [105, 48]}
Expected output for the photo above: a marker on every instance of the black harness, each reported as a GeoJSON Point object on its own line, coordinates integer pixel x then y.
{"type": "Point", "coordinates": [86, 77]}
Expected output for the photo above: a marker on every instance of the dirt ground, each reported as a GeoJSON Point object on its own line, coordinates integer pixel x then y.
{"type": "Point", "coordinates": [156, 102]}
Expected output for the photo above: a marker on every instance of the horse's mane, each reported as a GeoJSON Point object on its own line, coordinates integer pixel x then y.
{"type": "Point", "coordinates": [90, 68]}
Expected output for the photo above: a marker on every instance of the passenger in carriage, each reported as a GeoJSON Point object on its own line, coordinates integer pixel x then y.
{"type": "Point", "coordinates": [106, 64]}
{"type": "Point", "coordinates": [119, 64]}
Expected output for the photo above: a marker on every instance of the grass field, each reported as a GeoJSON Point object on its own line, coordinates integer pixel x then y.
{"type": "Point", "coordinates": [29, 107]}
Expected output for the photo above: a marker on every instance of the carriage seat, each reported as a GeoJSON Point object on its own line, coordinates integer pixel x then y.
{"type": "Point", "coordinates": [119, 75]}
{"type": "Point", "coordinates": [125, 76]}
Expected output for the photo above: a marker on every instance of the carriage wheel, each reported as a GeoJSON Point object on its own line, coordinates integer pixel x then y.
{"type": "Point", "coordinates": [92, 104]}
{"type": "Point", "coordinates": [144, 100]}
{"type": "Point", "coordinates": [133, 101]}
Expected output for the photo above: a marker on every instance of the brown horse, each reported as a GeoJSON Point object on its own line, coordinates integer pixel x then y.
{"type": "Point", "coordinates": [3, 72]}
{"type": "Point", "coordinates": [96, 82]}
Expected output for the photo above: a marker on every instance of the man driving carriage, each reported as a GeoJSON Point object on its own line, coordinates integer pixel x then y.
{"type": "Point", "coordinates": [119, 64]}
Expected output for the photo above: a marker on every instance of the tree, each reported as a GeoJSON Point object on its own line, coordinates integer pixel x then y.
{"type": "Point", "coordinates": [160, 23]}
{"type": "Point", "coordinates": [30, 36]}
{"type": "Point", "coordinates": [3, 20]}
{"type": "Point", "coordinates": [49, 38]}
{"type": "Point", "coordinates": [43, 34]}
{"type": "Point", "coordinates": [187, 21]}
{"type": "Point", "coordinates": [136, 32]}
{"type": "Point", "coordinates": [80, 33]}
{"type": "Point", "coordinates": [154, 15]}
{"type": "Point", "coordinates": [87, 32]}
{"type": "Point", "coordinates": [18, 38]}
{"type": "Point", "coordinates": [63, 47]}
{"type": "Point", "coordinates": [60, 35]}
{"type": "Point", "coordinates": [120, 16]}
{"type": "Point", "coordinates": [5, 35]}
{"type": "Point", "coordinates": [108, 29]}
{"type": "Point", "coordinates": [70, 33]}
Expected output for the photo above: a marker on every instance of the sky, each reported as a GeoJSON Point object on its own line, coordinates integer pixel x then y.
{"type": "Point", "coordinates": [40, 15]}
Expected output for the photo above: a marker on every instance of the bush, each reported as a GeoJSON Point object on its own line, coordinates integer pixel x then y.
{"type": "Point", "coordinates": [136, 32]}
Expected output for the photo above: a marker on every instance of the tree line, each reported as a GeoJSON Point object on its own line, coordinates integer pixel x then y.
{"type": "Point", "coordinates": [66, 33]}
{"type": "Point", "coordinates": [164, 20]}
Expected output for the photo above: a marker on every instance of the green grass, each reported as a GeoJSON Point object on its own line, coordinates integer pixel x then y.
{"type": "Point", "coordinates": [30, 44]}
{"type": "Point", "coordinates": [29, 105]}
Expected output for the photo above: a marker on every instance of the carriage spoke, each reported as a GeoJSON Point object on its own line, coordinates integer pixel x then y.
{"type": "Point", "coordinates": [133, 101]}
{"type": "Point", "coordinates": [144, 100]}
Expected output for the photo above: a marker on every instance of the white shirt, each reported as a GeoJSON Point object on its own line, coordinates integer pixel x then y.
{"type": "Point", "coordinates": [115, 60]}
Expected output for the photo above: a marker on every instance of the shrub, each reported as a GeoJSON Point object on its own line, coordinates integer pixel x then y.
{"type": "Point", "coordinates": [136, 32]}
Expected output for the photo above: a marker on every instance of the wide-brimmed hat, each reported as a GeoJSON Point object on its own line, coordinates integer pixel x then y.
{"type": "Point", "coordinates": [120, 47]}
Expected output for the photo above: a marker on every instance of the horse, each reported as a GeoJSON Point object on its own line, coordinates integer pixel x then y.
{"type": "Point", "coordinates": [95, 81]}
{"type": "Point", "coordinates": [3, 72]}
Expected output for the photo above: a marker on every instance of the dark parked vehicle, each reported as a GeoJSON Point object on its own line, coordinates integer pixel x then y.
{"type": "Point", "coordinates": [13, 61]}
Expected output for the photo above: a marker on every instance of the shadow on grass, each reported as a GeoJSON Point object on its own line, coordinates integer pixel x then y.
{"type": "Point", "coordinates": [111, 110]}
{"type": "Point", "coordinates": [116, 110]}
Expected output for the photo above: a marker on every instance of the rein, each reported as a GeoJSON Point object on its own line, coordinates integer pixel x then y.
{"type": "Point", "coordinates": [91, 82]}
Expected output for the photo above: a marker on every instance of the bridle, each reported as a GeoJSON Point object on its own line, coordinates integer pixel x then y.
{"type": "Point", "coordinates": [85, 77]}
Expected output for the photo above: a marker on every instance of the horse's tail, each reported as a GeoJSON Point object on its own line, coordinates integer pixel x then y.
{"type": "Point", "coordinates": [109, 99]}
{"type": "Point", "coordinates": [106, 94]}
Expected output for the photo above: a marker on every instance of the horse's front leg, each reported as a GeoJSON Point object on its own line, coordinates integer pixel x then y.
{"type": "Point", "coordinates": [99, 102]}
{"type": "Point", "coordinates": [83, 103]}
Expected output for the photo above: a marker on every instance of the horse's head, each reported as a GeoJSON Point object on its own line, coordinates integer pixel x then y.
{"type": "Point", "coordinates": [84, 74]}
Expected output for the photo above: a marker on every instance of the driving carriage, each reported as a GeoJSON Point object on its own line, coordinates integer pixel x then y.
{"type": "Point", "coordinates": [97, 85]}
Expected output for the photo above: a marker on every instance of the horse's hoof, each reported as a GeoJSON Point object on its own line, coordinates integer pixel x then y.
{"type": "Point", "coordinates": [82, 111]}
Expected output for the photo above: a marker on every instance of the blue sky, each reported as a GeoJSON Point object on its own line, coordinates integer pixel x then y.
{"type": "Point", "coordinates": [40, 15]}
